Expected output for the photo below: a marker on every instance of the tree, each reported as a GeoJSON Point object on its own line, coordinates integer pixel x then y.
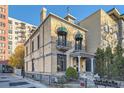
{"type": "Point", "coordinates": [17, 59]}
{"type": "Point", "coordinates": [71, 73]}
{"type": "Point", "coordinates": [110, 64]}
{"type": "Point", "coordinates": [108, 60]}
{"type": "Point", "coordinates": [118, 64]}
{"type": "Point", "coordinates": [100, 61]}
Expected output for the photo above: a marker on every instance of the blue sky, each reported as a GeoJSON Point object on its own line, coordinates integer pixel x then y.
{"type": "Point", "coordinates": [31, 13]}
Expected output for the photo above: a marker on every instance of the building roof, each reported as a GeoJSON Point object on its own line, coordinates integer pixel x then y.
{"type": "Point", "coordinates": [115, 12]}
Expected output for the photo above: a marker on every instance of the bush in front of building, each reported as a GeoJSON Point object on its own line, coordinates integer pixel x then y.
{"type": "Point", "coordinates": [71, 74]}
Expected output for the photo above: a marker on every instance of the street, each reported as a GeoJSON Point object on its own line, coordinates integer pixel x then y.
{"type": "Point", "coordinates": [8, 80]}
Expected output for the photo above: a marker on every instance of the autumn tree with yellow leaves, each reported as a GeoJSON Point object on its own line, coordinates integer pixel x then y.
{"type": "Point", "coordinates": [17, 59]}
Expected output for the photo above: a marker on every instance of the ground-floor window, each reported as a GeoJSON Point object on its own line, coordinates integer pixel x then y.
{"type": "Point", "coordinates": [88, 64]}
{"type": "Point", "coordinates": [32, 64]}
{"type": "Point", "coordinates": [61, 62]}
{"type": "Point", "coordinates": [26, 66]}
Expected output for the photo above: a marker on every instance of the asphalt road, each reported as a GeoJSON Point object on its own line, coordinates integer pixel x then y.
{"type": "Point", "coordinates": [8, 80]}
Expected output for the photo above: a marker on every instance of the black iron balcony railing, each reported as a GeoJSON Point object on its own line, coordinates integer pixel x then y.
{"type": "Point", "coordinates": [63, 45]}
{"type": "Point", "coordinates": [79, 49]}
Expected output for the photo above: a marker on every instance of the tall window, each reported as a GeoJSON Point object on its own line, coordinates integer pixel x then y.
{"type": "Point", "coordinates": [32, 64]}
{"type": "Point", "coordinates": [78, 45]}
{"type": "Point", "coordinates": [61, 62]}
{"type": "Point", "coordinates": [62, 33]}
{"type": "Point", "coordinates": [26, 50]}
{"type": "Point", "coordinates": [38, 41]}
{"type": "Point", "coordinates": [32, 46]}
{"type": "Point", "coordinates": [78, 41]}
{"type": "Point", "coordinates": [62, 40]}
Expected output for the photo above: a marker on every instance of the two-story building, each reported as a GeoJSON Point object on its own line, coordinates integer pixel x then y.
{"type": "Point", "coordinates": [57, 44]}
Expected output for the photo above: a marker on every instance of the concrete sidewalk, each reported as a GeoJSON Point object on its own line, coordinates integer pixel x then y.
{"type": "Point", "coordinates": [8, 80]}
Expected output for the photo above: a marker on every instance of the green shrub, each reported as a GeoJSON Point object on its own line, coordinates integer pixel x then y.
{"type": "Point", "coordinates": [71, 73]}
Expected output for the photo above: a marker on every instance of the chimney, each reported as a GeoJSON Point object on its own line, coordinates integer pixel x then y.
{"type": "Point", "coordinates": [43, 14]}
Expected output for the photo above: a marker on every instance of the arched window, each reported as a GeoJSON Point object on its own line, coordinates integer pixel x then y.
{"type": "Point", "coordinates": [78, 41]}
{"type": "Point", "coordinates": [62, 33]}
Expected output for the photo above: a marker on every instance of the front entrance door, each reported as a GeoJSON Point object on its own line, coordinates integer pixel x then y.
{"type": "Point", "coordinates": [75, 63]}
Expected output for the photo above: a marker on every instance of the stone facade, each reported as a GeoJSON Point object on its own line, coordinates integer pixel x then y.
{"type": "Point", "coordinates": [44, 54]}
{"type": "Point", "coordinates": [102, 31]}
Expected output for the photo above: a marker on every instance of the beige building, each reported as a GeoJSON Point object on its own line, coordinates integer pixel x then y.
{"type": "Point", "coordinates": [57, 44]}
{"type": "Point", "coordinates": [18, 32]}
{"type": "Point", "coordinates": [104, 28]}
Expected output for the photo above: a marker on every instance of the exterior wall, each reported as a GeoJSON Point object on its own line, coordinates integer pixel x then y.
{"type": "Point", "coordinates": [72, 30]}
{"type": "Point", "coordinates": [4, 49]}
{"type": "Point", "coordinates": [45, 58]}
{"type": "Point", "coordinates": [121, 30]}
{"type": "Point", "coordinates": [92, 24]}
{"type": "Point", "coordinates": [110, 37]}
{"type": "Point", "coordinates": [96, 36]}
{"type": "Point", "coordinates": [18, 33]}
{"type": "Point", "coordinates": [41, 56]}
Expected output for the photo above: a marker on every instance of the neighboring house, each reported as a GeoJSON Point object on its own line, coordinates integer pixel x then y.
{"type": "Point", "coordinates": [57, 44]}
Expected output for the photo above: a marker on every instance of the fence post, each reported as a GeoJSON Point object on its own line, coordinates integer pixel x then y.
{"type": "Point", "coordinates": [49, 79]}
{"type": "Point", "coordinates": [40, 78]}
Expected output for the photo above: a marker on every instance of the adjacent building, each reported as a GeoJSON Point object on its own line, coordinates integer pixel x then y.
{"type": "Point", "coordinates": [3, 36]}
{"type": "Point", "coordinates": [103, 30]}
{"type": "Point", "coordinates": [3, 32]}
{"type": "Point", "coordinates": [12, 33]}
{"type": "Point", "coordinates": [18, 32]}
{"type": "Point", "coordinates": [57, 44]}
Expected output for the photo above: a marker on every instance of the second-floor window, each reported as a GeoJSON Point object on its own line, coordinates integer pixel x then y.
{"type": "Point", "coordinates": [78, 41]}
{"type": "Point", "coordinates": [62, 36]}
{"type": "Point", "coordinates": [62, 40]}
{"type": "Point", "coordinates": [26, 51]}
{"type": "Point", "coordinates": [32, 46]}
{"type": "Point", "coordinates": [38, 41]}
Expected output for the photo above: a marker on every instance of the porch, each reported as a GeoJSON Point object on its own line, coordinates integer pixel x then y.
{"type": "Point", "coordinates": [82, 61]}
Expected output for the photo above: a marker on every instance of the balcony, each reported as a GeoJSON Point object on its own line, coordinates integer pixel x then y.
{"type": "Point", "coordinates": [21, 26]}
{"type": "Point", "coordinates": [79, 49]}
{"type": "Point", "coordinates": [63, 46]}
